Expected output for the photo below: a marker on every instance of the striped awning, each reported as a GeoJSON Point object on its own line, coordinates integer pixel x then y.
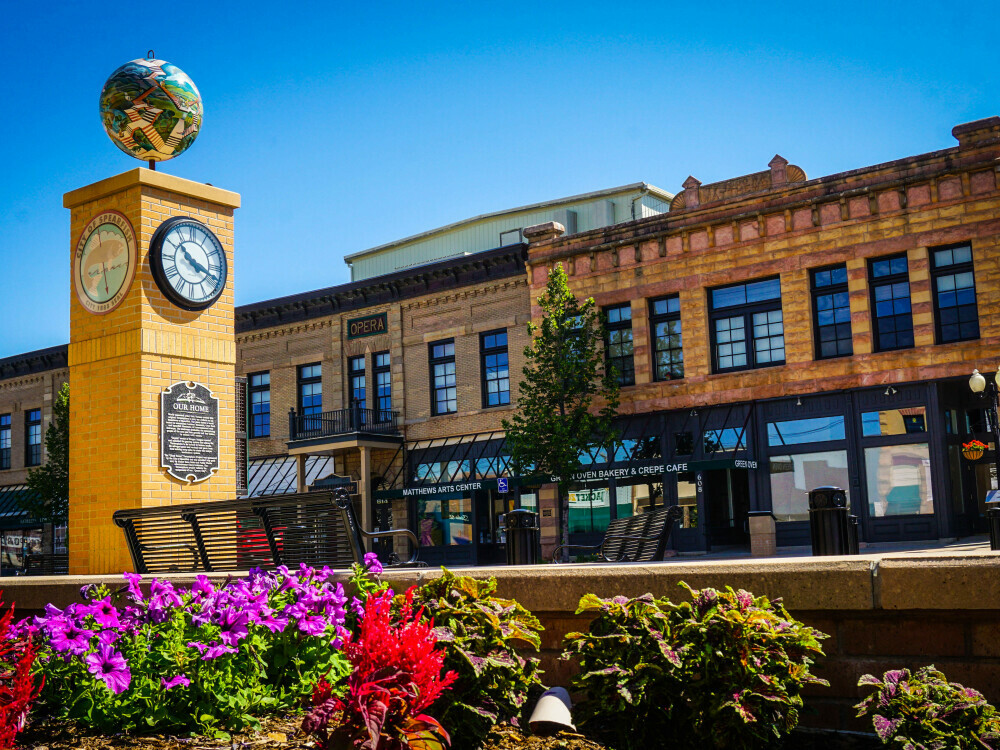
{"type": "Point", "coordinates": [10, 509]}
{"type": "Point", "coordinates": [276, 475]}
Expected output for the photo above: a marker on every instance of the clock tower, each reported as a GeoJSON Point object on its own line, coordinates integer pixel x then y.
{"type": "Point", "coordinates": [151, 323]}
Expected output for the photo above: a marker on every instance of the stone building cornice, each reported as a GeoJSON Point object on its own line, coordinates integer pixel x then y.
{"type": "Point", "coordinates": [434, 278]}
{"type": "Point", "coordinates": [40, 360]}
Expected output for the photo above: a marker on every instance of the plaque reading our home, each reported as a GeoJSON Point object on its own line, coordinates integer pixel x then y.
{"type": "Point", "coordinates": [189, 431]}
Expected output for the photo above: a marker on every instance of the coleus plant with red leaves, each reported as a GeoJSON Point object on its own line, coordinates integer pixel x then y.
{"type": "Point", "coordinates": [396, 676]}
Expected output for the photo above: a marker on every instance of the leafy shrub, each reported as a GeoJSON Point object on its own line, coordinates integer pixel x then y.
{"type": "Point", "coordinates": [628, 670]}
{"type": "Point", "coordinates": [17, 685]}
{"type": "Point", "coordinates": [923, 711]}
{"type": "Point", "coordinates": [396, 675]}
{"type": "Point", "coordinates": [206, 658]}
{"type": "Point", "coordinates": [724, 670]}
{"type": "Point", "coordinates": [479, 633]}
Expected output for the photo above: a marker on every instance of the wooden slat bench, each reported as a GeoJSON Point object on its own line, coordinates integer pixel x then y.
{"type": "Point", "coordinates": [639, 538]}
{"type": "Point", "coordinates": [315, 528]}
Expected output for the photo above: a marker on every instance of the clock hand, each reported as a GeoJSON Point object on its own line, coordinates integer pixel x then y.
{"type": "Point", "coordinates": [198, 266]}
{"type": "Point", "coordinates": [105, 272]}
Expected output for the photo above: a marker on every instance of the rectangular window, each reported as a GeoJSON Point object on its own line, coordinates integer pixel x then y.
{"type": "Point", "coordinates": [260, 404]}
{"type": "Point", "coordinates": [444, 522]}
{"type": "Point", "coordinates": [668, 351]}
{"type": "Point", "coordinates": [311, 388]}
{"type": "Point", "coordinates": [444, 398]}
{"type": "Point", "coordinates": [907, 421]}
{"type": "Point", "coordinates": [793, 476]}
{"type": "Point", "coordinates": [799, 431]}
{"type": "Point", "coordinates": [954, 294]}
{"type": "Point", "coordinates": [899, 480]}
{"type": "Point", "coordinates": [33, 437]}
{"type": "Point", "coordinates": [726, 440]}
{"type": "Point", "coordinates": [383, 385]}
{"type": "Point", "coordinates": [831, 312]}
{"type": "Point", "coordinates": [4, 441]}
{"type": "Point", "coordinates": [747, 326]}
{"type": "Point", "coordinates": [618, 344]}
{"type": "Point", "coordinates": [358, 393]}
{"type": "Point", "coordinates": [493, 363]}
{"type": "Point", "coordinates": [890, 282]}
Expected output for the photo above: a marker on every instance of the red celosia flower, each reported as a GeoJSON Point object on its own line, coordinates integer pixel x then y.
{"type": "Point", "coordinates": [397, 674]}
{"type": "Point", "coordinates": [17, 686]}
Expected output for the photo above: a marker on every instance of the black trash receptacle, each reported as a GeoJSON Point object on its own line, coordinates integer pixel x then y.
{"type": "Point", "coordinates": [828, 521]}
{"type": "Point", "coordinates": [993, 524]}
{"type": "Point", "coordinates": [522, 537]}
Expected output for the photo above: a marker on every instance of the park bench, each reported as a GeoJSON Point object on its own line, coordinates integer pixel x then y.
{"type": "Point", "coordinates": [638, 538]}
{"type": "Point", "coordinates": [54, 564]}
{"type": "Point", "coordinates": [315, 528]}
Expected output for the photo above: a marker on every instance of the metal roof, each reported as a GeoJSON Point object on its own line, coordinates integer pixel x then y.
{"type": "Point", "coordinates": [10, 509]}
{"type": "Point", "coordinates": [276, 475]}
{"type": "Point", "coordinates": [642, 186]}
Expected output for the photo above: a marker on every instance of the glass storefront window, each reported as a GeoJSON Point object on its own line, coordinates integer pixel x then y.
{"type": "Point", "coordinates": [529, 501]}
{"type": "Point", "coordinates": [639, 498]}
{"type": "Point", "coordinates": [687, 498]}
{"type": "Point", "coordinates": [899, 480]}
{"type": "Point", "coordinates": [908, 421]}
{"type": "Point", "coordinates": [589, 511]}
{"type": "Point", "coordinates": [793, 476]}
{"type": "Point", "coordinates": [493, 466]}
{"type": "Point", "coordinates": [441, 471]}
{"type": "Point", "coordinates": [725, 440]}
{"type": "Point", "coordinates": [796, 431]}
{"type": "Point", "coordinates": [18, 544]}
{"type": "Point", "coordinates": [444, 521]}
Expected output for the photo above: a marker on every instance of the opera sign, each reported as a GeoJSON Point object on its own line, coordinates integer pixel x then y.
{"type": "Point", "coordinates": [370, 325]}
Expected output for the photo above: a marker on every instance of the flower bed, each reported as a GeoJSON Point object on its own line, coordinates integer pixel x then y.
{"type": "Point", "coordinates": [151, 665]}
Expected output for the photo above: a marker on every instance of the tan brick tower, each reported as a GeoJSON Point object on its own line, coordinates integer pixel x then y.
{"type": "Point", "coordinates": [120, 360]}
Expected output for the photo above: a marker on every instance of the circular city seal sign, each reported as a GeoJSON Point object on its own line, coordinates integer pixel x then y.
{"type": "Point", "coordinates": [104, 262]}
{"type": "Point", "coordinates": [189, 431]}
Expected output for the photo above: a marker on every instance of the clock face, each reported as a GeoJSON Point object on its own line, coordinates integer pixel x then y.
{"type": "Point", "coordinates": [104, 262]}
{"type": "Point", "coordinates": [188, 262]}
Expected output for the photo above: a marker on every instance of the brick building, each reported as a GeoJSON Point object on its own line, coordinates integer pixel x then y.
{"type": "Point", "coordinates": [774, 332]}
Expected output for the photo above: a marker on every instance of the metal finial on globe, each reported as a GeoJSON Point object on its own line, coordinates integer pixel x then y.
{"type": "Point", "coordinates": [151, 109]}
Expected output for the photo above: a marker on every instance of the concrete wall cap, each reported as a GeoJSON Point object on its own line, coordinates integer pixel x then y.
{"type": "Point", "coordinates": [149, 178]}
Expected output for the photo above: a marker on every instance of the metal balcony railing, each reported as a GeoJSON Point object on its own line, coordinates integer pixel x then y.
{"type": "Point", "coordinates": [342, 422]}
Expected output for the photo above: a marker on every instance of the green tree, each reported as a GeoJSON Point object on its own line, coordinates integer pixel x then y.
{"type": "Point", "coordinates": [568, 396]}
{"type": "Point", "coordinates": [49, 502]}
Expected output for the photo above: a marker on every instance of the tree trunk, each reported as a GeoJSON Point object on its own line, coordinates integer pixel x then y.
{"type": "Point", "coordinates": [564, 512]}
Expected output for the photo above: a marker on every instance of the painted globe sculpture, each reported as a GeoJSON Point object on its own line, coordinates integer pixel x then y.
{"type": "Point", "coordinates": [151, 109]}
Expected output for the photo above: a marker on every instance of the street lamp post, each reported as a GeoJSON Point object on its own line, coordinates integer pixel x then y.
{"type": "Point", "coordinates": [979, 385]}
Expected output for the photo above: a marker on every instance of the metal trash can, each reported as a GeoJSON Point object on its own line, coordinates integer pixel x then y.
{"type": "Point", "coordinates": [829, 522]}
{"type": "Point", "coordinates": [522, 537]}
{"type": "Point", "coordinates": [993, 524]}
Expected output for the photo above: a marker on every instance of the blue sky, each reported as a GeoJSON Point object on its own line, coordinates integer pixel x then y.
{"type": "Point", "coordinates": [345, 126]}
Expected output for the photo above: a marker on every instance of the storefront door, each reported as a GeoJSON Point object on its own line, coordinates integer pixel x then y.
{"type": "Point", "coordinates": [491, 540]}
{"type": "Point", "coordinates": [727, 504]}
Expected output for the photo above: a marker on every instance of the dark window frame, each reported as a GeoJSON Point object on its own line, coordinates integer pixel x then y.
{"type": "Point", "coordinates": [937, 272]}
{"type": "Point", "coordinates": [32, 450]}
{"type": "Point", "coordinates": [667, 317]}
{"type": "Point", "coordinates": [891, 279]}
{"type": "Point", "coordinates": [383, 402]}
{"type": "Point", "coordinates": [830, 290]}
{"type": "Point", "coordinates": [433, 362]}
{"type": "Point", "coordinates": [5, 453]}
{"type": "Point", "coordinates": [310, 380]}
{"type": "Point", "coordinates": [747, 310]}
{"type": "Point", "coordinates": [265, 430]}
{"type": "Point", "coordinates": [357, 378]}
{"type": "Point", "coordinates": [626, 373]}
{"type": "Point", "coordinates": [485, 353]}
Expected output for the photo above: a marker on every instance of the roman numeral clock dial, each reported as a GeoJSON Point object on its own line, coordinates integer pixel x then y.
{"type": "Point", "coordinates": [188, 263]}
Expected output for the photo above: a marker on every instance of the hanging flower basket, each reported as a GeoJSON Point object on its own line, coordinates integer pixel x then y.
{"type": "Point", "coordinates": [973, 450]}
